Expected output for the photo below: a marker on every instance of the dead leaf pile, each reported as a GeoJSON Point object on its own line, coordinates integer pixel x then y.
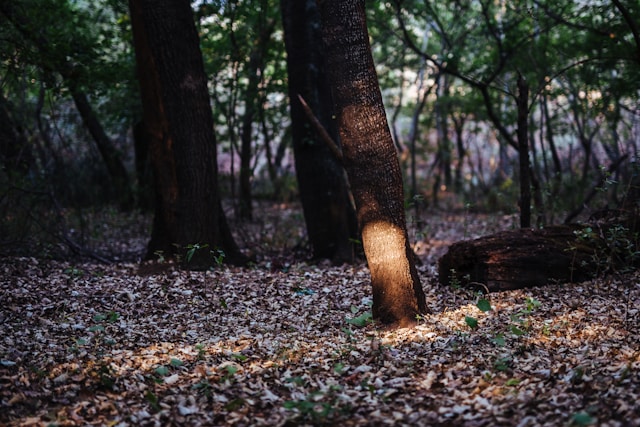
{"type": "Point", "coordinates": [89, 344]}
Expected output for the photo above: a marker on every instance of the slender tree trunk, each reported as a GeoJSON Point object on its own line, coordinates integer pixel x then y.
{"type": "Point", "coordinates": [371, 162]}
{"type": "Point", "coordinates": [458, 124]}
{"type": "Point", "coordinates": [330, 217]}
{"type": "Point", "coordinates": [188, 218]}
{"type": "Point", "coordinates": [523, 150]}
{"type": "Point", "coordinates": [107, 150]}
{"type": "Point", "coordinates": [252, 98]}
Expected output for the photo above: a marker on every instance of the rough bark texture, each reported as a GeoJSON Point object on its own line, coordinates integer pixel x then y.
{"type": "Point", "coordinates": [330, 217]}
{"type": "Point", "coordinates": [524, 258]}
{"type": "Point", "coordinates": [179, 122]}
{"type": "Point", "coordinates": [371, 163]}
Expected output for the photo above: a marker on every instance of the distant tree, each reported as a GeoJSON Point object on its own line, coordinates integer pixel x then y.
{"type": "Point", "coordinates": [67, 50]}
{"type": "Point", "coordinates": [329, 215]}
{"type": "Point", "coordinates": [189, 220]}
{"type": "Point", "coordinates": [371, 162]}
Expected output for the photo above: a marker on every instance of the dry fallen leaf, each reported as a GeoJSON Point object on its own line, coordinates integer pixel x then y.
{"type": "Point", "coordinates": [88, 344]}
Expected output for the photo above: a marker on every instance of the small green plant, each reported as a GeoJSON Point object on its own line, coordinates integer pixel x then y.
{"type": "Point", "coordinates": [218, 256]}
{"type": "Point", "coordinates": [484, 305]}
{"type": "Point", "coordinates": [502, 363]}
{"type": "Point", "coordinates": [202, 352]}
{"type": "Point", "coordinates": [204, 387]}
{"type": "Point", "coordinates": [192, 249]}
{"type": "Point", "coordinates": [318, 406]}
{"type": "Point", "coordinates": [153, 400]}
{"type": "Point", "coordinates": [160, 255]}
{"type": "Point", "coordinates": [362, 320]}
{"type": "Point", "coordinates": [472, 322]}
{"type": "Point", "coordinates": [454, 282]}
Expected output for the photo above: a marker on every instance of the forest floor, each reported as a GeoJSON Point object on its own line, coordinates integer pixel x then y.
{"type": "Point", "coordinates": [284, 342]}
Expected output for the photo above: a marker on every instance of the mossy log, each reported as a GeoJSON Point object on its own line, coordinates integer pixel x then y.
{"type": "Point", "coordinates": [524, 258]}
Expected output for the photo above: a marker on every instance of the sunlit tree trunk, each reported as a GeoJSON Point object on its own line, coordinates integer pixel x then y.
{"type": "Point", "coordinates": [329, 215]}
{"type": "Point", "coordinates": [188, 216]}
{"type": "Point", "coordinates": [371, 162]}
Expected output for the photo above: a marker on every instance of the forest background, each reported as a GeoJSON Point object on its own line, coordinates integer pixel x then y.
{"type": "Point", "coordinates": [497, 108]}
{"type": "Point", "coordinates": [449, 76]}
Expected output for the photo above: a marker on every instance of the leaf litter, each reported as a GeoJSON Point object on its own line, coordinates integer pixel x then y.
{"type": "Point", "coordinates": [283, 344]}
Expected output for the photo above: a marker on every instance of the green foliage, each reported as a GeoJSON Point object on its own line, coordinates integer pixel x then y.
{"type": "Point", "coordinates": [319, 406]}
{"type": "Point", "coordinates": [582, 419]}
{"type": "Point", "coordinates": [472, 322]}
{"type": "Point", "coordinates": [484, 305]}
{"type": "Point", "coordinates": [362, 320]}
{"type": "Point", "coordinates": [613, 249]}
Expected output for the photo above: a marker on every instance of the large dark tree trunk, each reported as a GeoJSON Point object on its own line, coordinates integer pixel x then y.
{"type": "Point", "coordinates": [330, 217]}
{"type": "Point", "coordinates": [179, 122]}
{"type": "Point", "coordinates": [371, 163]}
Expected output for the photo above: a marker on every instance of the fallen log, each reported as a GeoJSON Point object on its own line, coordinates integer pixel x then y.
{"type": "Point", "coordinates": [523, 258]}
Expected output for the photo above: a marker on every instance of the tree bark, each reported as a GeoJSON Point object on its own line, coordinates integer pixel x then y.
{"type": "Point", "coordinates": [329, 216]}
{"type": "Point", "coordinates": [523, 258]}
{"type": "Point", "coordinates": [189, 221]}
{"type": "Point", "coordinates": [523, 151]}
{"type": "Point", "coordinates": [371, 163]}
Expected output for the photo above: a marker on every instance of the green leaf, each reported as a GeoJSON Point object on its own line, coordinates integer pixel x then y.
{"type": "Point", "coordinates": [582, 419]}
{"type": "Point", "coordinates": [484, 305]}
{"type": "Point", "coordinates": [152, 399]}
{"type": "Point", "coordinates": [176, 362]}
{"type": "Point", "coordinates": [162, 371]}
{"type": "Point", "coordinates": [96, 328]}
{"type": "Point", "coordinates": [512, 382]}
{"type": "Point", "coordinates": [472, 322]}
{"type": "Point", "coordinates": [239, 357]}
{"type": "Point", "coordinates": [499, 340]}
{"type": "Point", "coordinates": [361, 320]}
{"type": "Point", "coordinates": [517, 331]}
{"type": "Point", "coordinates": [231, 369]}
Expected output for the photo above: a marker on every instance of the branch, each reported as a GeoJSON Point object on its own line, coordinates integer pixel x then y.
{"type": "Point", "coordinates": [631, 23]}
{"type": "Point", "coordinates": [612, 168]}
{"type": "Point", "coordinates": [324, 135]}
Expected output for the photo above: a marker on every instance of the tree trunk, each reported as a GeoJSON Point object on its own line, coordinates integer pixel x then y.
{"type": "Point", "coordinates": [330, 217]}
{"type": "Point", "coordinates": [523, 258]}
{"type": "Point", "coordinates": [252, 98]}
{"type": "Point", "coordinates": [16, 157]}
{"type": "Point", "coordinates": [108, 151]}
{"type": "Point", "coordinates": [188, 215]}
{"type": "Point", "coordinates": [523, 151]}
{"type": "Point", "coordinates": [371, 163]}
